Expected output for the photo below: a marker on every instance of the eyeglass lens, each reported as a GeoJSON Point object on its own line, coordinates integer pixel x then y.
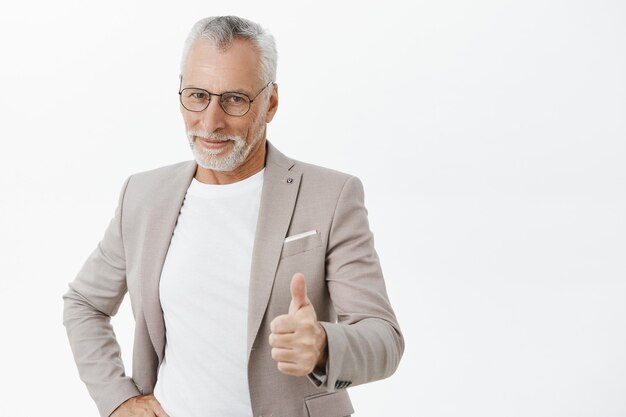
{"type": "Point", "coordinates": [196, 99]}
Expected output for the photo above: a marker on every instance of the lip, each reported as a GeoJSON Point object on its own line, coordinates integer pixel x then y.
{"type": "Point", "coordinates": [213, 144]}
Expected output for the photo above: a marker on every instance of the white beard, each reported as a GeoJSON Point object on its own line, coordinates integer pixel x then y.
{"type": "Point", "coordinates": [213, 158]}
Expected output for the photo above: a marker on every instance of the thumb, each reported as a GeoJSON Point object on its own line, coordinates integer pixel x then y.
{"type": "Point", "coordinates": [299, 298]}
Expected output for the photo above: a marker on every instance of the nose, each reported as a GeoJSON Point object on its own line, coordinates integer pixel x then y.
{"type": "Point", "coordinates": [213, 117]}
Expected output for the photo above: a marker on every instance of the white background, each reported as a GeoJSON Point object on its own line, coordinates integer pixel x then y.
{"type": "Point", "coordinates": [490, 137]}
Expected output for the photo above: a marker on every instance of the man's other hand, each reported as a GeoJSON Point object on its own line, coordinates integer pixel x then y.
{"type": "Point", "coordinates": [140, 406]}
{"type": "Point", "coordinates": [298, 340]}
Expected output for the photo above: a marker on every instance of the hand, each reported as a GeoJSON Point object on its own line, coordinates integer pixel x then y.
{"type": "Point", "coordinates": [298, 340]}
{"type": "Point", "coordinates": [140, 406]}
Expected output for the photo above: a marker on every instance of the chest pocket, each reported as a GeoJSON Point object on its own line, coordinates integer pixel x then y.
{"type": "Point", "coordinates": [295, 245]}
{"type": "Point", "coordinates": [335, 404]}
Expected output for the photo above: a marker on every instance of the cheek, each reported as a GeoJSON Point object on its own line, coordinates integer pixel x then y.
{"type": "Point", "coordinates": [190, 119]}
{"type": "Point", "coordinates": [185, 116]}
{"type": "Point", "coordinates": [244, 127]}
{"type": "Point", "coordinates": [254, 123]}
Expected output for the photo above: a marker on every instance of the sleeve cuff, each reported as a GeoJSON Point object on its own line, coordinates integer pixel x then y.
{"type": "Point", "coordinates": [318, 376]}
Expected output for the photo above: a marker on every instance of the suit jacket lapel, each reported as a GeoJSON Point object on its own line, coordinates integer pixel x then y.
{"type": "Point", "coordinates": [162, 217]}
{"type": "Point", "coordinates": [278, 199]}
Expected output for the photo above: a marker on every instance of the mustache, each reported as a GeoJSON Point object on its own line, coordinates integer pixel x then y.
{"type": "Point", "coordinates": [205, 134]}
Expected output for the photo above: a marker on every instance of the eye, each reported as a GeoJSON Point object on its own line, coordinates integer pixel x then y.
{"type": "Point", "coordinates": [234, 99]}
{"type": "Point", "coordinates": [198, 95]}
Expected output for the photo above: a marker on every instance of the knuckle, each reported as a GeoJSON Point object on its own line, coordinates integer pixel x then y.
{"type": "Point", "coordinates": [305, 343]}
{"type": "Point", "coordinates": [277, 324]}
{"type": "Point", "coordinates": [308, 342]}
{"type": "Point", "coordinates": [287, 368]}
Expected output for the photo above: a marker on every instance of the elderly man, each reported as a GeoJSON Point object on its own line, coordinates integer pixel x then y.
{"type": "Point", "coordinates": [253, 279]}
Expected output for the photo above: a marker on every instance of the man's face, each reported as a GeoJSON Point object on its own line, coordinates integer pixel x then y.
{"type": "Point", "coordinates": [219, 141]}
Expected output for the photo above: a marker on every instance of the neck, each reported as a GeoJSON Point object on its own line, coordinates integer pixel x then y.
{"type": "Point", "coordinates": [253, 164]}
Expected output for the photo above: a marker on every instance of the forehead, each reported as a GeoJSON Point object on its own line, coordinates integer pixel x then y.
{"type": "Point", "coordinates": [215, 69]}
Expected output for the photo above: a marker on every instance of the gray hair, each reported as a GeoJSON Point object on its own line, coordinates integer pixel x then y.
{"type": "Point", "coordinates": [223, 29]}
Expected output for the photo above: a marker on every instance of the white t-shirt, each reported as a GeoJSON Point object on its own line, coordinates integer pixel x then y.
{"type": "Point", "coordinates": [204, 295]}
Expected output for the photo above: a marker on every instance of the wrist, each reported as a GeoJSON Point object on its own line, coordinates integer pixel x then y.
{"type": "Point", "coordinates": [323, 351]}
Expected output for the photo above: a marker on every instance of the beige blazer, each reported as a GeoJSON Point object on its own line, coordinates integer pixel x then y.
{"type": "Point", "coordinates": [342, 270]}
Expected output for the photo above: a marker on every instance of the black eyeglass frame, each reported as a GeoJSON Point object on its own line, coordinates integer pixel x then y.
{"type": "Point", "coordinates": [250, 100]}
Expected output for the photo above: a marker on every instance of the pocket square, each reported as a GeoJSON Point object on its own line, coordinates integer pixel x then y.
{"type": "Point", "coordinates": [300, 235]}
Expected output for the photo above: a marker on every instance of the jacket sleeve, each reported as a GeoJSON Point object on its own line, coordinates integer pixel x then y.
{"type": "Point", "coordinates": [366, 343]}
{"type": "Point", "coordinates": [93, 297]}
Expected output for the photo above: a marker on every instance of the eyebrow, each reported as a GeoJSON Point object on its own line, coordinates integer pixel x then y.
{"type": "Point", "coordinates": [240, 91]}
{"type": "Point", "coordinates": [237, 90]}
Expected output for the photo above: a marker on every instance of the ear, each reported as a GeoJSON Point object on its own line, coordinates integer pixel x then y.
{"type": "Point", "coordinates": [273, 105]}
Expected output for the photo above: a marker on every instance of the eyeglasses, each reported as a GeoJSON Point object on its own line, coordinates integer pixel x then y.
{"type": "Point", "coordinates": [233, 104]}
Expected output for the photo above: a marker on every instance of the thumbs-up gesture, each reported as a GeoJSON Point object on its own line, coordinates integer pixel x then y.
{"type": "Point", "coordinates": [298, 340]}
